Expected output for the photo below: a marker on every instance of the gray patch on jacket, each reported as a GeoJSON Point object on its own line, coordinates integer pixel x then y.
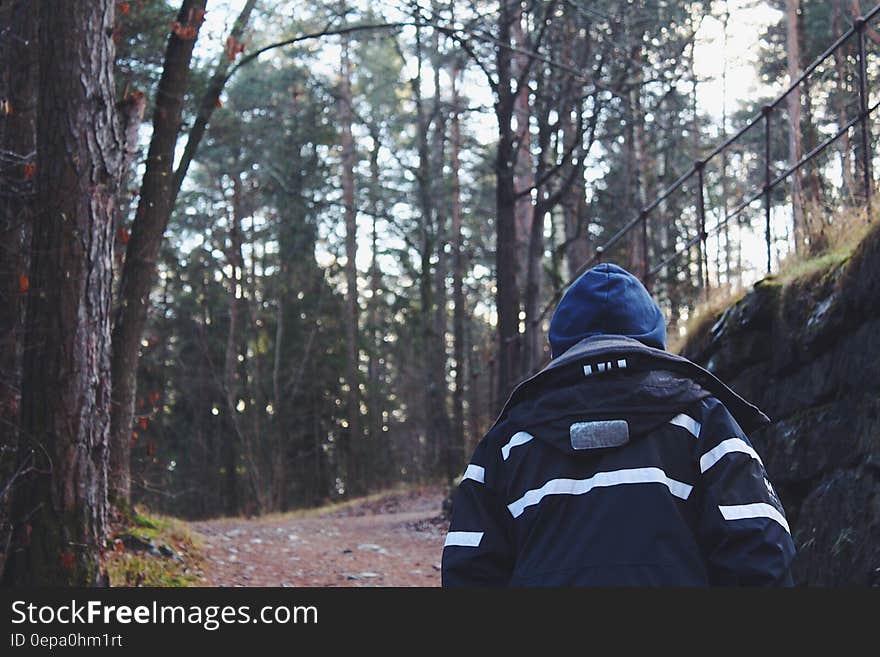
{"type": "Point", "coordinates": [599, 434]}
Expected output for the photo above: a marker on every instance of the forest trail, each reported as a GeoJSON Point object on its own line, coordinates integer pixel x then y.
{"type": "Point", "coordinates": [394, 539]}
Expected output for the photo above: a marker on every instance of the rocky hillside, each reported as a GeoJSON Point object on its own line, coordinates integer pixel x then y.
{"type": "Point", "coordinates": [807, 351]}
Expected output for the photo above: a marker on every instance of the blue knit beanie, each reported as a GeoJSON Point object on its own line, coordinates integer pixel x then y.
{"type": "Point", "coordinates": [606, 300]}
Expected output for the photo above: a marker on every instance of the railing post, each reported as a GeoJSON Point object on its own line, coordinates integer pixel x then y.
{"type": "Point", "coordinates": [765, 111]}
{"type": "Point", "coordinates": [493, 393]}
{"type": "Point", "coordinates": [859, 25]}
{"type": "Point", "coordinates": [643, 217]}
{"type": "Point", "coordinates": [699, 166]}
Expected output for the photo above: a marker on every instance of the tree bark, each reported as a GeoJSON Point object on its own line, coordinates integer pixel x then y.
{"type": "Point", "coordinates": [233, 349]}
{"type": "Point", "coordinates": [19, 59]}
{"type": "Point", "coordinates": [131, 116]}
{"type": "Point", "coordinates": [377, 428]}
{"type": "Point", "coordinates": [59, 509]}
{"type": "Point", "coordinates": [352, 443]}
{"type": "Point", "coordinates": [439, 428]}
{"type": "Point", "coordinates": [456, 454]}
{"type": "Point", "coordinates": [139, 269]}
{"type": "Point", "coordinates": [574, 208]}
{"type": "Point", "coordinates": [639, 164]}
{"type": "Point", "coordinates": [795, 149]}
{"type": "Point", "coordinates": [533, 338]}
{"type": "Point", "coordinates": [524, 175]}
{"type": "Point", "coordinates": [507, 293]}
{"type": "Point", "coordinates": [843, 93]}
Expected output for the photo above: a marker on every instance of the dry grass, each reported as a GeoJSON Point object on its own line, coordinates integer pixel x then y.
{"type": "Point", "coordinates": [839, 239]}
{"type": "Point", "coordinates": [704, 316]}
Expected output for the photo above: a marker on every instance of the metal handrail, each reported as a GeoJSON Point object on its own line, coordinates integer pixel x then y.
{"type": "Point", "coordinates": [770, 183]}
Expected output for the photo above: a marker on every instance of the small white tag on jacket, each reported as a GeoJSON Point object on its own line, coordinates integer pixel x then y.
{"type": "Point", "coordinates": [599, 434]}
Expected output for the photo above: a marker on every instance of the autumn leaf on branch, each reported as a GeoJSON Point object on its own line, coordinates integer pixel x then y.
{"type": "Point", "coordinates": [67, 558]}
{"type": "Point", "coordinates": [184, 32]}
{"type": "Point", "coordinates": [234, 48]}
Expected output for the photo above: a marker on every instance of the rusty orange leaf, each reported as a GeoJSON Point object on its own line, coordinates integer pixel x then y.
{"type": "Point", "coordinates": [67, 559]}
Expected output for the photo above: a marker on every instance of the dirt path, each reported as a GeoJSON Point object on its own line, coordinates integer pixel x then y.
{"type": "Point", "coordinates": [395, 540]}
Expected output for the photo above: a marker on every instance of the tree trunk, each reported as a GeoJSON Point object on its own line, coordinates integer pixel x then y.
{"type": "Point", "coordinates": [59, 509]}
{"type": "Point", "coordinates": [840, 108]}
{"type": "Point", "coordinates": [230, 361]}
{"type": "Point", "coordinates": [456, 455]}
{"type": "Point", "coordinates": [574, 208]}
{"type": "Point", "coordinates": [532, 349]}
{"type": "Point", "coordinates": [19, 59]}
{"type": "Point", "coordinates": [376, 405]}
{"type": "Point", "coordinates": [725, 182]}
{"type": "Point", "coordinates": [524, 176]}
{"type": "Point", "coordinates": [131, 116]}
{"type": "Point", "coordinates": [642, 163]}
{"type": "Point", "coordinates": [507, 293]}
{"type": "Point", "coordinates": [795, 149]}
{"type": "Point", "coordinates": [426, 283]}
{"type": "Point", "coordinates": [439, 424]}
{"type": "Point", "coordinates": [352, 443]}
{"type": "Point", "coordinates": [534, 344]}
{"type": "Point", "coordinates": [139, 270]}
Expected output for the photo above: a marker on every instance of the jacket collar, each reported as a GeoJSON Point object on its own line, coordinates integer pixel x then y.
{"type": "Point", "coordinates": [610, 347]}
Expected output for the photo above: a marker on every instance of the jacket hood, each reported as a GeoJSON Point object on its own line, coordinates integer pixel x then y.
{"type": "Point", "coordinates": [594, 410]}
{"type": "Point", "coordinates": [629, 381]}
{"type": "Point", "coordinates": [606, 300]}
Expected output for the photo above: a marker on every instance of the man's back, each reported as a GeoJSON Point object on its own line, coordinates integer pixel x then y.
{"type": "Point", "coordinates": [620, 464]}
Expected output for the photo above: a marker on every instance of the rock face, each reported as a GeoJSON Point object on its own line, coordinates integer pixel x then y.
{"type": "Point", "coordinates": [808, 354]}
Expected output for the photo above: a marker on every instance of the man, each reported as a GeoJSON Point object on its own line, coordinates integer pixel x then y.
{"type": "Point", "coordinates": [619, 464]}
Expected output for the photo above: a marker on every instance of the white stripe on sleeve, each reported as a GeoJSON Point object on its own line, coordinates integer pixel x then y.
{"type": "Point", "coordinates": [475, 472]}
{"type": "Point", "coordinates": [519, 438]}
{"type": "Point", "coordinates": [688, 423]}
{"type": "Point", "coordinates": [729, 446]}
{"type": "Point", "coordinates": [463, 539]}
{"type": "Point", "coordinates": [757, 510]}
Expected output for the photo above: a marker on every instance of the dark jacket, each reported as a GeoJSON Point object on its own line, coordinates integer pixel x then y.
{"type": "Point", "coordinates": [618, 464]}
